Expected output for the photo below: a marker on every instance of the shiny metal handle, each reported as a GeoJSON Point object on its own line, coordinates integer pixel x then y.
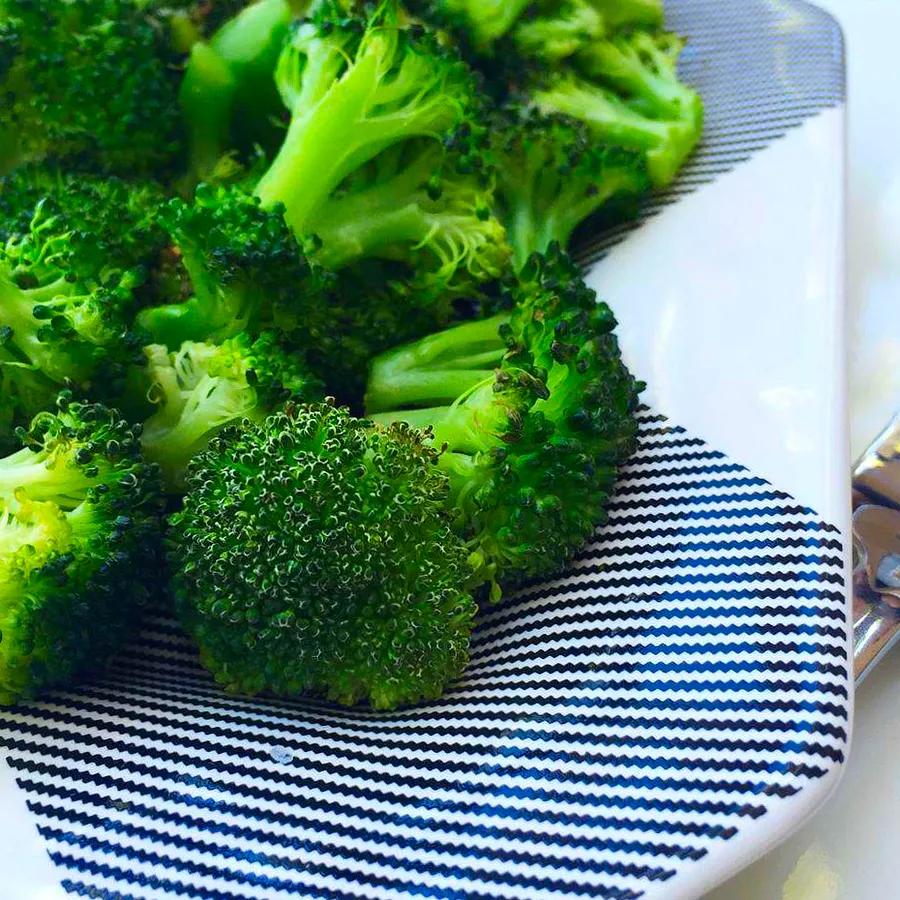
{"type": "Point", "coordinates": [876, 546]}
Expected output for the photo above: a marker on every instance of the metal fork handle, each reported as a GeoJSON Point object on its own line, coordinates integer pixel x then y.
{"type": "Point", "coordinates": [876, 544]}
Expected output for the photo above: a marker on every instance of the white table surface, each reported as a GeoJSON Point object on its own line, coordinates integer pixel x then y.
{"type": "Point", "coordinates": [846, 851]}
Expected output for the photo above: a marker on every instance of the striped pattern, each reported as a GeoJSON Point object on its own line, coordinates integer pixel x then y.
{"type": "Point", "coordinates": [762, 69]}
{"type": "Point", "coordinates": [615, 726]}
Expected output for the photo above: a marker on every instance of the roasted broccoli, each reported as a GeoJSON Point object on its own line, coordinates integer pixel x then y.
{"type": "Point", "coordinates": [85, 81]}
{"type": "Point", "coordinates": [72, 258]}
{"type": "Point", "coordinates": [626, 90]}
{"type": "Point", "coordinates": [314, 553]}
{"type": "Point", "coordinates": [79, 548]}
{"type": "Point", "coordinates": [200, 388]}
{"type": "Point", "coordinates": [551, 177]}
{"type": "Point", "coordinates": [231, 267]}
{"type": "Point", "coordinates": [535, 409]}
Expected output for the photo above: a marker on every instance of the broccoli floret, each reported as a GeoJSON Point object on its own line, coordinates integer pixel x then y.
{"type": "Point", "coordinates": [420, 204]}
{"type": "Point", "coordinates": [85, 81]}
{"type": "Point", "coordinates": [71, 261]}
{"type": "Point", "coordinates": [78, 546]}
{"type": "Point", "coordinates": [200, 388]}
{"type": "Point", "coordinates": [560, 30]}
{"type": "Point", "coordinates": [354, 87]}
{"type": "Point", "coordinates": [228, 93]}
{"type": "Point", "coordinates": [237, 263]}
{"type": "Point", "coordinates": [536, 410]}
{"type": "Point", "coordinates": [480, 22]}
{"type": "Point", "coordinates": [627, 92]}
{"type": "Point", "coordinates": [551, 177]}
{"type": "Point", "coordinates": [314, 553]}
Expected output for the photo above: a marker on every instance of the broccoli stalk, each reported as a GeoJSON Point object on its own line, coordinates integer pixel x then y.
{"type": "Point", "coordinates": [314, 553]}
{"type": "Point", "coordinates": [534, 409]}
{"type": "Point", "coordinates": [353, 88]}
{"type": "Point", "coordinates": [551, 177]}
{"type": "Point", "coordinates": [201, 388]}
{"type": "Point", "coordinates": [78, 546]}
{"type": "Point", "coordinates": [227, 94]}
{"type": "Point", "coordinates": [629, 94]}
{"type": "Point", "coordinates": [412, 205]}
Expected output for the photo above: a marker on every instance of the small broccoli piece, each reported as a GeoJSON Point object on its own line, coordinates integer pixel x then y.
{"type": "Point", "coordinates": [353, 88]}
{"type": "Point", "coordinates": [480, 22]}
{"type": "Point", "coordinates": [628, 93]}
{"type": "Point", "coordinates": [71, 261]}
{"type": "Point", "coordinates": [536, 410]}
{"type": "Point", "coordinates": [228, 93]}
{"type": "Point", "coordinates": [85, 81]}
{"type": "Point", "coordinates": [200, 388]}
{"type": "Point", "coordinates": [622, 13]}
{"type": "Point", "coordinates": [237, 263]}
{"type": "Point", "coordinates": [79, 533]}
{"type": "Point", "coordinates": [420, 204]}
{"type": "Point", "coordinates": [314, 553]}
{"type": "Point", "coordinates": [552, 176]}
{"type": "Point", "coordinates": [560, 30]}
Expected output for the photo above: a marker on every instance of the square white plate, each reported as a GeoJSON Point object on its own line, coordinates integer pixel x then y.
{"type": "Point", "coordinates": [644, 725]}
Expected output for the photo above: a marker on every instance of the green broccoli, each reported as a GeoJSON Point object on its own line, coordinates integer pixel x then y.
{"type": "Point", "coordinates": [559, 30]}
{"type": "Point", "coordinates": [420, 204]}
{"type": "Point", "coordinates": [354, 87]}
{"type": "Point", "coordinates": [479, 23]}
{"type": "Point", "coordinates": [626, 90]}
{"type": "Point", "coordinates": [72, 259]}
{"type": "Point", "coordinates": [551, 177]}
{"type": "Point", "coordinates": [79, 553]}
{"type": "Point", "coordinates": [228, 92]}
{"type": "Point", "coordinates": [535, 409]}
{"type": "Point", "coordinates": [85, 81]}
{"type": "Point", "coordinates": [232, 267]}
{"type": "Point", "coordinates": [314, 553]}
{"type": "Point", "coordinates": [200, 388]}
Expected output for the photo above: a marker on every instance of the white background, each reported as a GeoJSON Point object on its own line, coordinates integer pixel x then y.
{"type": "Point", "coordinates": [848, 850]}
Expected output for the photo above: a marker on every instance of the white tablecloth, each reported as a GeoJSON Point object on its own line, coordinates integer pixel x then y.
{"type": "Point", "coordinates": [846, 852]}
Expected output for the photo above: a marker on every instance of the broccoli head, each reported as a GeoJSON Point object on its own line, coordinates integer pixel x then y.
{"type": "Point", "coordinates": [86, 81]}
{"type": "Point", "coordinates": [625, 88]}
{"type": "Point", "coordinates": [79, 533]}
{"type": "Point", "coordinates": [200, 388]}
{"type": "Point", "coordinates": [551, 177]}
{"type": "Point", "coordinates": [314, 553]}
{"type": "Point", "coordinates": [353, 87]}
{"type": "Point", "coordinates": [72, 257]}
{"type": "Point", "coordinates": [476, 23]}
{"type": "Point", "coordinates": [559, 30]}
{"type": "Point", "coordinates": [231, 267]}
{"type": "Point", "coordinates": [417, 202]}
{"type": "Point", "coordinates": [535, 410]}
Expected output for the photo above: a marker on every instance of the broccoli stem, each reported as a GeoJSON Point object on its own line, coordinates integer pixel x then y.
{"type": "Point", "coordinates": [36, 475]}
{"type": "Point", "coordinates": [437, 369]}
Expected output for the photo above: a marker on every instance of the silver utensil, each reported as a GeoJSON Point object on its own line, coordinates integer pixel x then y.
{"type": "Point", "coordinates": [876, 550]}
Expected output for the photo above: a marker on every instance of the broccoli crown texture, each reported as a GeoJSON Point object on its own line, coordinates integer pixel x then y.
{"type": "Point", "coordinates": [353, 87]}
{"type": "Point", "coordinates": [477, 24]}
{"type": "Point", "coordinates": [314, 553]}
{"type": "Point", "coordinates": [200, 388]}
{"type": "Point", "coordinates": [625, 88]}
{"type": "Point", "coordinates": [85, 81]}
{"type": "Point", "coordinates": [238, 265]}
{"type": "Point", "coordinates": [422, 204]}
{"type": "Point", "coordinates": [79, 550]}
{"type": "Point", "coordinates": [535, 409]}
{"type": "Point", "coordinates": [551, 176]}
{"type": "Point", "coordinates": [72, 256]}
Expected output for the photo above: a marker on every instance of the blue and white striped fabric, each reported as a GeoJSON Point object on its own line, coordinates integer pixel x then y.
{"type": "Point", "coordinates": [616, 727]}
{"type": "Point", "coordinates": [613, 727]}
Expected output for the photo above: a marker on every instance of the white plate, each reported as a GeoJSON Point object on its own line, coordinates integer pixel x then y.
{"type": "Point", "coordinates": [645, 725]}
